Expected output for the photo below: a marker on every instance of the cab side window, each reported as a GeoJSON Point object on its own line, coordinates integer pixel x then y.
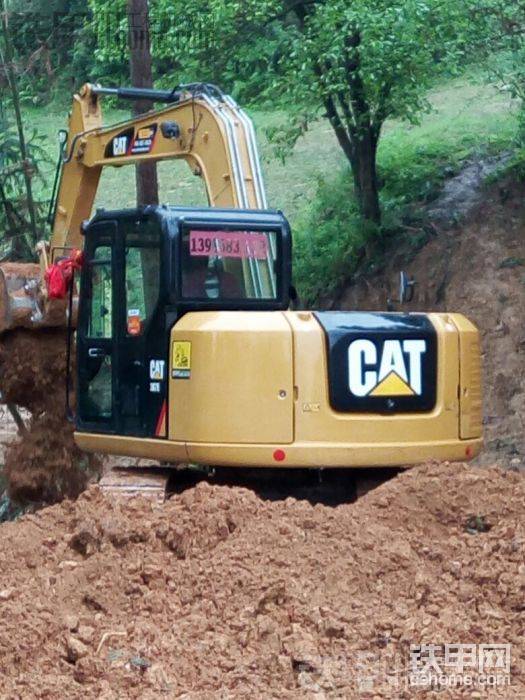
{"type": "Point", "coordinates": [101, 316]}
{"type": "Point", "coordinates": [142, 280]}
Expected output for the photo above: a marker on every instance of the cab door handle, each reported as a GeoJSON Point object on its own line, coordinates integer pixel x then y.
{"type": "Point", "coordinates": [97, 352]}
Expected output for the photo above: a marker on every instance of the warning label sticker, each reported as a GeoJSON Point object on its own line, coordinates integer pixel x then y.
{"type": "Point", "coordinates": [134, 322]}
{"type": "Point", "coordinates": [144, 140]}
{"type": "Point", "coordinates": [181, 360]}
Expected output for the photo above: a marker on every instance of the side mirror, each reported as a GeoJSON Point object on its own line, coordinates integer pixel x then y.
{"type": "Point", "coordinates": [406, 288]}
{"type": "Point", "coordinates": [406, 291]}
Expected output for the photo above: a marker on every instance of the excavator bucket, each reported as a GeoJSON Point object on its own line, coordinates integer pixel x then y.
{"type": "Point", "coordinates": [24, 302]}
{"type": "Point", "coordinates": [19, 291]}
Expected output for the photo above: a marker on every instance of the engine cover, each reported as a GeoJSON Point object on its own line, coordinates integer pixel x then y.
{"type": "Point", "coordinates": [380, 362]}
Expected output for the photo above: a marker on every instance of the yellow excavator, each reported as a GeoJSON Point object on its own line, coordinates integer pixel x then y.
{"type": "Point", "coordinates": [187, 350]}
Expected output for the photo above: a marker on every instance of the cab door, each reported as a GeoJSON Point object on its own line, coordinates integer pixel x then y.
{"type": "Point", "coordinates": [96, 356]}
{"type": "Point", "coordinates": [121, 339]}
{"type": "Point", "coordinates": [142, 341]}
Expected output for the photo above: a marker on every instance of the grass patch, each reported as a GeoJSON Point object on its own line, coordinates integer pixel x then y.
{"type": "Point", "coordinates": [513, 169]}
{"type": "Point", "coordinates": [467, 121]}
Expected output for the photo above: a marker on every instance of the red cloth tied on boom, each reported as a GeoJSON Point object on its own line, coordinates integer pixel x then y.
{"type": "Point", "coordinates": [60, 274]}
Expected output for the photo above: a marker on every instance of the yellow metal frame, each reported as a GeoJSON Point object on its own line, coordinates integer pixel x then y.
{"type": "Point", "coordinates": [299, 455]}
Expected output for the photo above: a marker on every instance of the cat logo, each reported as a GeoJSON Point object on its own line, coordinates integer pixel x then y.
{"type": "Point", "coordinates": [120, 146]}
{"type": "Point", "coordinates": [393, 369]}
{"type": "Point", "coordinates": [157, 369]}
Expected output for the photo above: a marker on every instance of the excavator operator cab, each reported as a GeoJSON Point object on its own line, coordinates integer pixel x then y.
{"type": "Point", "coordinates": [144, 269]}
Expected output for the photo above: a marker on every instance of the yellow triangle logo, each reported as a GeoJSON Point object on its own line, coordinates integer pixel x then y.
{"type": "Point", "coordinates": [392, 385]}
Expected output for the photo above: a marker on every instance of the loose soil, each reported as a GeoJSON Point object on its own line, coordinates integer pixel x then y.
{"type": "Point", "coordinates": [219, 594]}
{"type": "Point", "coordinates": [476, 268]}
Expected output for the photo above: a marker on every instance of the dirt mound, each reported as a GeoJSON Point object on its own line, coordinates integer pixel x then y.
{"type": "Point", "coordinates": [220, 594]}
{"type": "Point", "coordinates": [33, 369]}
{"type": "Point", "coordinates": [45, 465]}
{"type": "Point", "coordinates": [478, 269]}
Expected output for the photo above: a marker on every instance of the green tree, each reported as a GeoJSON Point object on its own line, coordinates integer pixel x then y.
{"type": "Point", "coordinates": [51, 42]}
{"type": "Point", "coordinates": [193, 41]}
{"type": "Point", "coordinates": [356, 63]}
{"type": "Point", "coordinates": [360, 63]}
{"type": "Point", "coordinates": [19, 208]}
{"type": "Point", "coordinates": [503, 23]}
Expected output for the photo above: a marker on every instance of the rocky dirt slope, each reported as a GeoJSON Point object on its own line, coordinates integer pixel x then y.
{"type": "Point", "coordinates": [476, 268]}
{"type": "Point", "coordinates": [218, 594]}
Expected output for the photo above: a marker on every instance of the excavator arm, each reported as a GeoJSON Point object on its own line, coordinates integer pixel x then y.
{"type": "Point", "coordinates": [203, 127]}
{"type": "Point", "coordinates": [200, 125]}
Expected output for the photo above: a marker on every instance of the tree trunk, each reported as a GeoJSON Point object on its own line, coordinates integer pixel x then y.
{"type": "Point", "coordinates": [349, 114]}
{"type": "Point", "coordinates": [364, 171]}
{"type": "Point", "coordinates": [141, 76]}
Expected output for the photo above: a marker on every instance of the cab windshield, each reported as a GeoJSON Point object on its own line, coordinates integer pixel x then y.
{"type": "Point", "coordinates": [229, 264]}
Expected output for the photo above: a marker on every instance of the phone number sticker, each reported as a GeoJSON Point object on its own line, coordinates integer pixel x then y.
{"type": "Point", "coordinates": [229, 244]}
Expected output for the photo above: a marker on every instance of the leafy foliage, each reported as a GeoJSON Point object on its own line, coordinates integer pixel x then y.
{"type": "Point", "coordinates": [362, 63]}
{"type": "Point", "coordinates": [506, 26]}
{"type": "Point", "coordinates": [14, 215]}
{"type": "Point", "coordinates": [356, 64]}
{"type": "Point", "coordinates": [329, 241]}
{"type": "Point", "coordinates": [203, 40]}
{"type": "Point", "coordinates": [19, 157]}
{"type": "Point", "coordinates": [52, 44]}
